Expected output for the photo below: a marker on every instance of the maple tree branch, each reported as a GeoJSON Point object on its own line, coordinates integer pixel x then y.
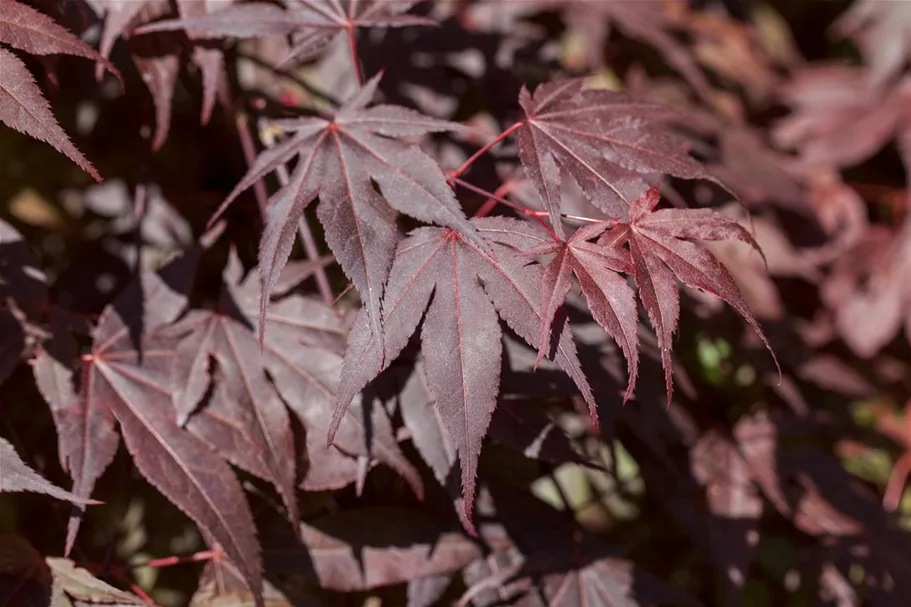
{"type": "Point", "coordinates": [516, 207]}
{"type": "Point", "coordinates": [471, 159]}
{"type": "Point", "coordinates": [249, 150]}
{"type": "Point", "coordinates": [137, 590]}
{"type": "Point", "coordinates": [167, 561]}
{"type": "Point", "coordinates": [490, 203]}
{"type": "Point", "coordinates": [355, 57]}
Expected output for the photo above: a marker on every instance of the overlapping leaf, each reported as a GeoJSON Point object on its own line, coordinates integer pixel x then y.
{"type": "Point", "coordinates": [27, 579]}
{"type": "Point", "coordinates": [660, 257]}
{"type": "Point", "coordinates": [542, 559]}
{"type": "Point", "coordinates": [22, 105]}
{"type": "Point", "coordinates": [245, 416]}
{"type": "Point", "coordinates": [735, 506]}
{"type": "Point", "coordinates": [338, 160]}
{"type": "Point", "coordinates": [611, 300]}
{"type": "Point", "coordinates": [311, 23]}
{"type": "Point", "coordinates": [160, 68]}
{"type": "Point", "coordinates": [127, 377]}
{"type": "Point", "coordinates": [366, 548]}
{"type": "Point", "coordinates": [603, 139]}
{"type": "Point", "coordinates": [441, 271]}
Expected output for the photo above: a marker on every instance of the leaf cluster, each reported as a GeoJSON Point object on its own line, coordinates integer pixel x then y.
{"type": "Point", "coordinates": [550, 302]}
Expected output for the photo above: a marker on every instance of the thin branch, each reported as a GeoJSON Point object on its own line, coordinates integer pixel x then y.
{"type": "Point", "coordinates": [516, 207]}
{"type": "Point", "coordinates": [355, 57]}
{"type": "Point", "coordinates": [471, 160]}
{"type": "Point", "coordinates": [249, 149]}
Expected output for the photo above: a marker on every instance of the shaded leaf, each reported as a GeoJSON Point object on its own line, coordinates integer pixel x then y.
{"type": "Point", "coordinates": [134, 384]}
{"type": "Point", "coordinates": [16, 476]}
{"type": "Point", "coordinates": [440, 271]}
{"type": "Point", "coordinates": [349, 551]}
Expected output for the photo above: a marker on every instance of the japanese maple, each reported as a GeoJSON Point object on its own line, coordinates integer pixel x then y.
{"type": "Point", "coordinates": [549, 302]}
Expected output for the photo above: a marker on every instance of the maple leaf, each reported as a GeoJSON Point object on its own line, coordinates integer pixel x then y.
{"type": "Point", "coordinates": [312, 24]}
{"type": "Point", "coordinates": [338, 160]}
{"type": "Point", "coordinates": [16, 476]}
{"type": "Point", "coordinates": [39, 581]}
{"type": "Point", "coordinates": [603, 139]}
{"type": "Point", "coordinates": [517, 423]}
{"type": "Point", "coordinates": [611, 301]}
{"type": "Point", "coordinates": [540, 558]}
{"type": "Point", "coordinates": [660, 257]}
{"type": "Point", "coordinates": [127, 376]}
{"type": "Point", "coordinates": [22, 105]}
{"type": "Point", "coordinates": [348, 551]}
{"type": "Point", "coordinates": [440, 271]}
{"type": "Point", "coordinates": [74, 586]}
{"type": "Point", "coordinates": [246, 418]}
{"type": "Point", "coordinates": [734, 503]}
{"type": "Point", "coordinates": [838, 118]}
{"type": "Point", "coordinates": [160, 67]}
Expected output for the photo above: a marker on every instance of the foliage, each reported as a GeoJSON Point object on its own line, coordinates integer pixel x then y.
{"type": "Point", "coordinates": [598, 303]}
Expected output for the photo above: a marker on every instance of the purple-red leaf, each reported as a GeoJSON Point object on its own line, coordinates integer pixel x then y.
{"type": "Point", "coordinates": [462, 289]}
{"type": "Point", "coordinates": [611, 300]}
{"type": "Point", "coordinates": [24, 28]}
{"type": "Point", "coordinates": [244, 420]}
{"type": "Point", "coordinates": [361, 549]}
{"type": "Point", "coordinates": [128, 375]}
{"type": "Point", "coordinates": [24, 109]}
{"type": "Point", "coordinates": [338, 160]}
{"type": "Point", "coordinates": [603, 139]}
{"type": "Point", "coordinates": [312, 24]}
{"type": "Point", "coordinates": [661, 257]}
{"type": "Point", "coordinates": [16, 476]}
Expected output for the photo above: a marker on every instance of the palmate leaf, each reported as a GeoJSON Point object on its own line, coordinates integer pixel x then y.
{"type": "Point", "coordinates": [311, 23]}
{"type": "Point", "coordinates": [603, 139]}
{"type": "Point", "coordinates": [611, 300]}
{"type": "Point", "coordinates": [245, 418]}
{"type": "Point", "coordinates": [541, 558]}
{"type": "Point", "coordinates": [365, 548]}
{"type": "Point", "coordinates": [127, 376]}
{"type": "Point", "coordinates": [160, 69]}
{"type": "Point", "coordinates": [338, 160]}
{"type": "Point", "coordinates": [441, 271]}
{"type": "Point", "coordinates": [661, 257]}
{"type": "Point", "coordinates": [22, 105]}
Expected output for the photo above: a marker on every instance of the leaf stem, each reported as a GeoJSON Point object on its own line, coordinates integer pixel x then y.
{"type": "Point", "coordinates": [355, 57]}
{"type": "Point", "coordinates": [471, 160]}
{"type": "Point", "coordinates": [490, 203]}
{"type": "Point", "coordinates": [249, 150]}
{"type": "Point", "coordinates": [516, 207]}
{"type": "Point", "coordinates": [167, 561]}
